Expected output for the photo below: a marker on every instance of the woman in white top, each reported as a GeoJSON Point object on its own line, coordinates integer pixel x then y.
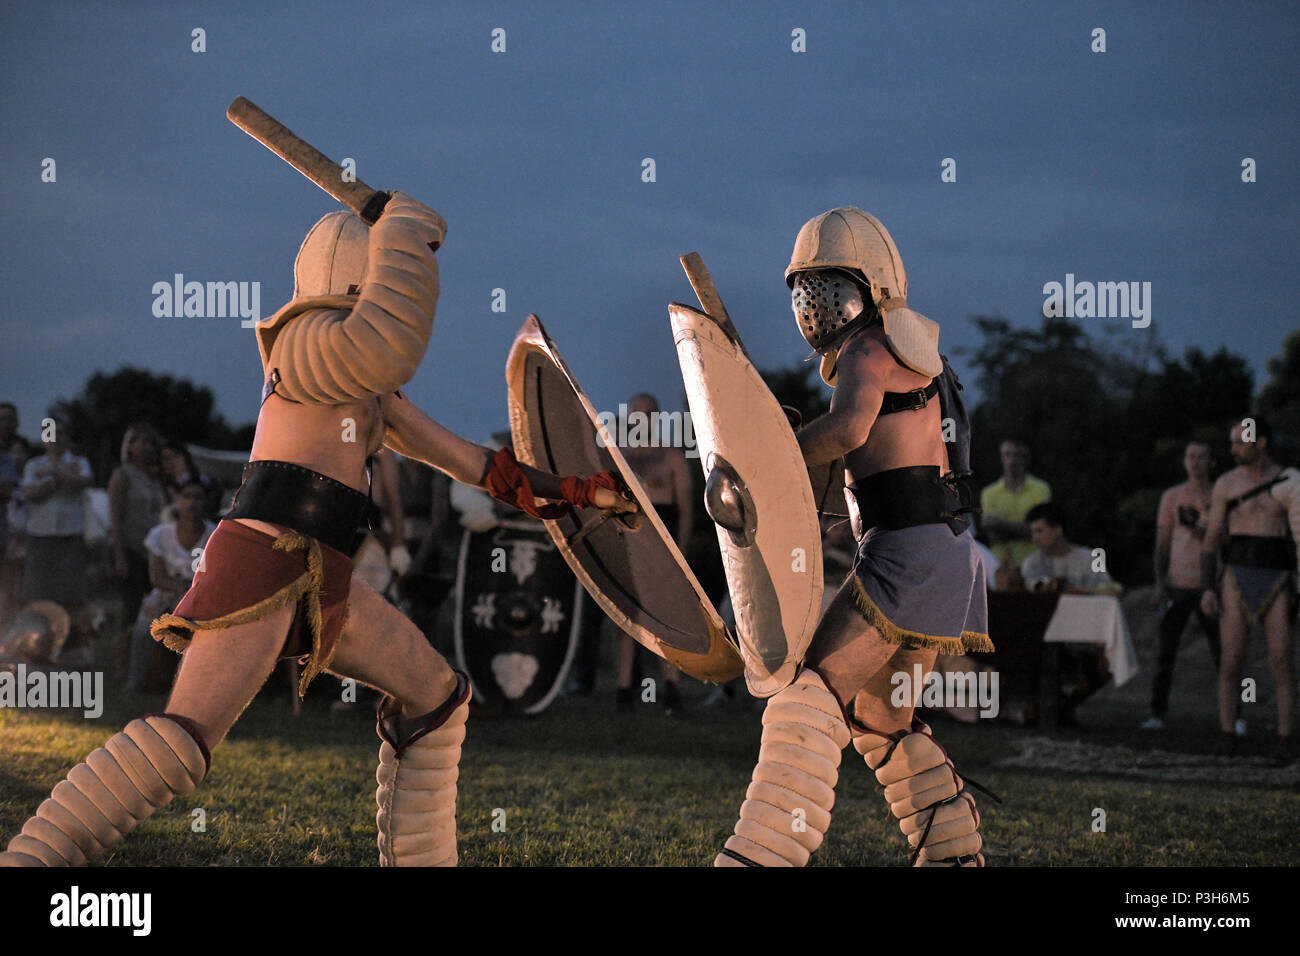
{"type": "Point", "coordinates": [175, 549]}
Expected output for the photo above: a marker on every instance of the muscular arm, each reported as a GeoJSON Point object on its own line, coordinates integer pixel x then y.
{"type": "Point", "coordinates": [1164, 538]}
{"type": "Point", "coordinates": [413, 434]}
{"type": "Point", "coordinates": [1213, 532]}
{"type": "Point", "coordinates": [859, 391]}
{"type": "Point", "coordinates": [1162, 555]}
{"type": "Point", "coordinates": [410, 432]}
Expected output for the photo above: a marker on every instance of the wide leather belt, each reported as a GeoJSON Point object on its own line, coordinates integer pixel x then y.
{"type": "Point", "coordinates": [907, 497]}
{"type": "Point", "coordinates": [287, 494]}
{"type": "Point", "coordinates": [1260, 551]}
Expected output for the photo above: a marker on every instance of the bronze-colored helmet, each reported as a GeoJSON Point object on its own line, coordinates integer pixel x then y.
{"type": "Point", "coordinates": [847, 242]}
{"type": "Point", "coordinates": [332, 259]}
{"type": "Point", "coordinates": [855, 241]}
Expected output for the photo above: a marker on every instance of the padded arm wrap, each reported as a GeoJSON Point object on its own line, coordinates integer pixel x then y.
{"type": "Point", "coordinates": [787, 809]}
{"type": "Point", "coordinates": [417, 795]}
{"type": "Point", "coordinates": [119, 785]}
{"type": "Point", "coordinates": [925, 794]}
{"type": "Point", "coordinates": [328, 356]}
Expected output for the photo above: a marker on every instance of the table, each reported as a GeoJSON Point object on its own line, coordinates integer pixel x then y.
{"type": "Point", "coordinates": [1029, 630]}
{"type": "Point", "coordinates": [1095, 619]}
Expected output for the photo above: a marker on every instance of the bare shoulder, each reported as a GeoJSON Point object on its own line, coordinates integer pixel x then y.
{"type": "Point", "coordinates": [867, 354]}
{"type": "Point", "coordinates": [1227, 485]}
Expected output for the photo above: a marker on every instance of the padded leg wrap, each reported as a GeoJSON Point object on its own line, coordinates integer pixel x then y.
{"type": "Point", "coordinates": [925, 794]}
{"type": "Point", "coordinates": [417, 783]}
{"type": "Point", "coordinates": [787, 809]}
{"type": "Point", "coordinates": [152, 760]}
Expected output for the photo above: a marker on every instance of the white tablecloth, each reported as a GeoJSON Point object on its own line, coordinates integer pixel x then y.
{"type": "Point", "coordinates": [1095, 619]}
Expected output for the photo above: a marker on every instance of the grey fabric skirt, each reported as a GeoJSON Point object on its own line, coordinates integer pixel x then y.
{"type": "Point", "coordinates": [923, 587]}
{"type": "Point", "coordinates": [55, 569]}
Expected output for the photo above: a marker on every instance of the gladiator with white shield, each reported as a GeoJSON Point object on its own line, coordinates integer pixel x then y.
{"type": "Point", "coordinates": [917, 585]}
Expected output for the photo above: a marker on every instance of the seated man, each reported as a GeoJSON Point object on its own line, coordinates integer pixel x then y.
{"type": "Point", "coordinates": [1058, 564]}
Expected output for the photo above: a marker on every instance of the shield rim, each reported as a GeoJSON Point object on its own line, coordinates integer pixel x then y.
{"type": "Point", "coordinates": [723, 661]}
{"type": "Point", "coordinates": [759, 686]}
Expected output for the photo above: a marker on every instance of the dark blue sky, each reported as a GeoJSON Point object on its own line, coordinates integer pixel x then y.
{"type": "Point", "coordinates": [1116, 166]}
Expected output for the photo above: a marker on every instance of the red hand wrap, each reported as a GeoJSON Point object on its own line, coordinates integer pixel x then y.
{"type": "Point", "coordinates": [581, 491]}
{"type": "Point", "coordinates": [506, 481]}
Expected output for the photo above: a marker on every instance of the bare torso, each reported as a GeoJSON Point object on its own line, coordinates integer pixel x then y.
{"type": "Point", "coordinates": [334, 440]}
{"type": "Point", "coordinates": [1261, 515]}
{"type": "Point", "coordinates": [903, 439]}
{"type": "Point", "coordinates": [656, 469]}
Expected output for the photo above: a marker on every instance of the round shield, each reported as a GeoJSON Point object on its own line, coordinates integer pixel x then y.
{"type": "Point", "coordinates": [518, 617]}
{"type": "Point", "coordinates": [639, 578]}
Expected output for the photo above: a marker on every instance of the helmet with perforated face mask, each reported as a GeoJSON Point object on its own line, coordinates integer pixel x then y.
{"type": "Point", "coordinates": [849, 243]}
{"type": "Point", "coordinates": [825, 302]}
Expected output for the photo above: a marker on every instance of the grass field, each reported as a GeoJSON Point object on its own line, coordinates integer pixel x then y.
{"type": "Point", "coordinates": [583, 785]}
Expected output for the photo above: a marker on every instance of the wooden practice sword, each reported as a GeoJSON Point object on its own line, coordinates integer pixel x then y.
{"type": "Point", "coordinates": [363, 200]}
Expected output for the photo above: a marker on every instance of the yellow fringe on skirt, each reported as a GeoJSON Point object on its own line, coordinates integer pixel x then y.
{"type": "Point", "coordinates": [891, 632]}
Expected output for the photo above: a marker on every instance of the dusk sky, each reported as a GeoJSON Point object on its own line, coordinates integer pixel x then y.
{"type": "Point", "coordinates": [1117, 166]}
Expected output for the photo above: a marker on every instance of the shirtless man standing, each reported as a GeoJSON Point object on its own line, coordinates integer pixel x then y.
{"type": "Point", "coordinates": [1249, 503]}
{"type": "Point", "coordinates": [917, 587]}
{"type": "Point", "coordinates": [662, 471]}
{"type": "Point", "coordinates": [1181, 521]}
{"type": "Point", "coordinates": [275, 578]}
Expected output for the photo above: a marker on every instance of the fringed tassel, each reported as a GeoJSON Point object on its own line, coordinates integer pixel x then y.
{"type": "Point", "coordinates": [176, 632]}
{"type": "Point", "coordinates": [891, 632]}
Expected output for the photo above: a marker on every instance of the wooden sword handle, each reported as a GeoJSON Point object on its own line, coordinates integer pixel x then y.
{"type": "Point", "coordinates": [710, 301]}
{"type": "Point", "coordinates": [363, 200]}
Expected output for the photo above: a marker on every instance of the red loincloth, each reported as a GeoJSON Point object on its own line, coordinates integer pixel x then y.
{"type": "Point", "coordinates": [246, 575]}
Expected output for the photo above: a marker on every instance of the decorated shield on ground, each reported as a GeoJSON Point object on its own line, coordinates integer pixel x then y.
{"type": "Point", "coordinates": [757, 491]}
{"type": "Point", "coordinates": [518, 617]}
{"type": "Point", "coordinates": [638, 577]}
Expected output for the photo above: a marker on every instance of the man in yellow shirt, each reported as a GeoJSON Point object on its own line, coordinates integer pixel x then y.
{"type": "Point", "coordinates": [1006, 502]}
